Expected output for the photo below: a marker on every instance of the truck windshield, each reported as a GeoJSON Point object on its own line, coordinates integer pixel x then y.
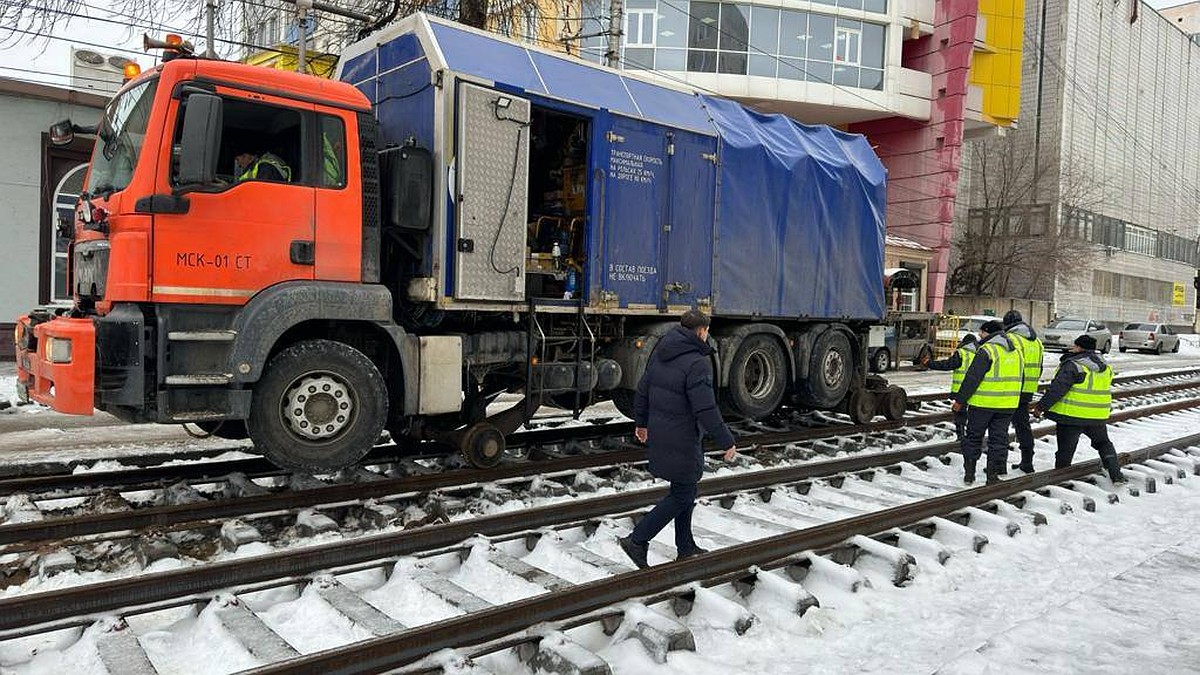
{"type": "Point", "coordinates": [122, 132]}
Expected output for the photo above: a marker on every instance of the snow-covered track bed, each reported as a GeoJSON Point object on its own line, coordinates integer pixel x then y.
{"type": "Point", "coordinates": [386, 600]}
{"type": "Point", "coordinates": [121, 529]}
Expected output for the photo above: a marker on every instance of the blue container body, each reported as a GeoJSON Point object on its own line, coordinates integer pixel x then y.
{"type": "Point", "coordinates": [690, 197]}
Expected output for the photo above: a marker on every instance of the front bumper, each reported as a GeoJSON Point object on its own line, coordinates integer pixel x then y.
{"type": "Point", "coordinates": [56, 363]}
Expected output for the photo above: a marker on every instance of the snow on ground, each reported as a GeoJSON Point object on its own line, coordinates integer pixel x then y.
{"type": "Point", "coordinates": [1114, 591]}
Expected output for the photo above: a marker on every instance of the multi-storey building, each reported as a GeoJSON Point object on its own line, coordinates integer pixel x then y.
{"type": "Point", "coordinates": [1110, 117]}
{"type": "Point", "coordinates": [915, 76]}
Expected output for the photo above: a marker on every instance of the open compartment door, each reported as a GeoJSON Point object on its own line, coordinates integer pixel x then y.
{"type": "Point", "coordinates": [493, 199]}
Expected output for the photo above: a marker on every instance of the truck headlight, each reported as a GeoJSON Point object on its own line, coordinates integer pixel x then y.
{"type": "Point", "coordinates": [58, 350]}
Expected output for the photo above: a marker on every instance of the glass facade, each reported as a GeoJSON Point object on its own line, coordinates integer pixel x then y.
{"type": "Point", "coordinates": [700, 36]}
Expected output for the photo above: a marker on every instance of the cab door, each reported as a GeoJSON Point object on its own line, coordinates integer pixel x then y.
{"type": "Point", "coordinates": [224, 243]}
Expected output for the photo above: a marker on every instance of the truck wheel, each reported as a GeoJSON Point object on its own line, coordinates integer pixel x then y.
{"type": "Point", "coordinates": [861, 406]}
{"type": "Point", "coordinates": [895, 403]}
{"type": "Point", "coordinates": [830, 369]}
{"type": "Point", "coordinates": [757, 377]}
{"type": "Point", "coordinates": [319, 406]}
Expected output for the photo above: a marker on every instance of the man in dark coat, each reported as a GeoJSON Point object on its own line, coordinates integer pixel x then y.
{"type": "Point", "coordinates": [958, 362]}
{"type": "Point", "coordinates": [991, 390]}
{"type": "Point", "coordinates": [1030, 345]}
{"type": "Point", "coordinates": [674, 404]}
{"type": "Point", "coordinates": [1079, 400]}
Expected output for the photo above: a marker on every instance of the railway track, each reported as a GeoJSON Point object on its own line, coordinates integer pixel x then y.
{"type": "Point", "coordinates": [795, 520]}
{"type": "Point", "coordinates": [107, 532]}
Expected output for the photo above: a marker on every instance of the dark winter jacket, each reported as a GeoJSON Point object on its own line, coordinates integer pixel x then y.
{"type": "Point", "coordinates": [676, 404]}
{"type": "Point", "coordinates": [949, 363]}
{"type": "Point", "coordinates": [980, 365]}
{"type": "Point", "coordinates": [1068, 376]}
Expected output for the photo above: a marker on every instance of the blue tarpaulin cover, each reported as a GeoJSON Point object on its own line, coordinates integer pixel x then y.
{"type": "Point", "coordinates": [789, 223]}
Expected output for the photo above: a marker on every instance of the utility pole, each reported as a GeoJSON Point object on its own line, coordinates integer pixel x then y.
{"type": "Point", "coordinates": [302, 7]}
{"type": "Point", "coordinates": [616, 22]}
{"type": "Point", "coordinates": [210, 52]}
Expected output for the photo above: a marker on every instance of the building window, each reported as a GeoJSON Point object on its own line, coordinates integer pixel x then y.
{"type": "Point", "coordinates": [847, 46]}
{"type": "Point", "coordinates": [66, 194]}
{"type": "Point", "coordinates": [639, 28]}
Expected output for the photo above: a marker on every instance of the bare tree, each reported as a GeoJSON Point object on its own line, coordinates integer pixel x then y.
{"type": "Point", "coordinates": [1017, 242]}
{"type": "Point", "coordinates": [22, 21]}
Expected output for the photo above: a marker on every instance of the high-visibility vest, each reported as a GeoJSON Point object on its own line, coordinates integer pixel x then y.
{"type": "Point", "coordinates": [1001, 387]}
{"type": "Point", "coordinates": [333, 163]}
{"type": "Point", "coordinates": [966, 354]}
{"type": "Point", "coordinates": [1090, 399]}
{"type": "Point", "coordinates": [1031, 354]}
{"type": "Point", "coordinates": [267, 158]}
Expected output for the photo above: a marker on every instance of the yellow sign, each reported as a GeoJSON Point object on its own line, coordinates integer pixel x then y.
{"type": "Point", "coordinates": [1179, 297]}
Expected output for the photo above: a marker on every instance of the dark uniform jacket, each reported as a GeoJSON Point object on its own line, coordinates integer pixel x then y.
{"type": "Point", "coordinates": [980, 365]}
{"type": "Point", "coordinates": [1068, 376]}
{"type": "Point", "coordinates": [675, 402]}
{"type": "Point", "coordinates": [949, 363]}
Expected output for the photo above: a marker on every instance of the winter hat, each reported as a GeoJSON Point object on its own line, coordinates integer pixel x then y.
{"type": "Point", "coordinates": [1011, 318]}
{"type": "Point", "coordinates": [992, 327]}
{"type": "Point", "coordinates": [693, 319]}
{"type": "Point", "coordinates": [968, 339]}
{"type": "Point", "coordinates": [1086, 341]}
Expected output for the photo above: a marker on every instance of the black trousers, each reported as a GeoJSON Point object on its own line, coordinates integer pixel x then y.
{"type": "Point", "coordinates": [1021, 425]}
{"type": "Point", "coordinates": [993, 424]}
{"type": "Point", "coordinates": [678, 506]}
{"type": "Point", "coordinates": [1068, 439]}
{"type": "Point", "coordinates": [960, 423]}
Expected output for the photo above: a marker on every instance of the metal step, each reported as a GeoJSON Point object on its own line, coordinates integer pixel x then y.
{"type": "Point", "coordinates": [199, 380]}
{"type": "Point", "coordinates": [201, 335]}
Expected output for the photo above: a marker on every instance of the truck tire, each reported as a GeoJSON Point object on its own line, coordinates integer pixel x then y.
{"type": "Point", "coordinates": [881, 361]}
{"type": "Point", "coordinates": [319, 406]}
{"type": "Point", "coordinates": [758, 377]}
{"type": "Point", "coordinates": [830, 370]}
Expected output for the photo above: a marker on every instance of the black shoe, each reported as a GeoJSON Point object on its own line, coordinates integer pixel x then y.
{"type": "Point", "coordinates": [636, 552]}
{"type": "Point", "coordinates": [993, 478]}
{"type": "Point", "coordinates": [968, 472]}
{"type": "Point", "coordinates": [969, 478]}
{"type": "Point", "coordinates": [1118, 478]}
{"type": "Point", "coordinates": [1027, 468]}
{"type": "Point", "coordinates": [691, 552]}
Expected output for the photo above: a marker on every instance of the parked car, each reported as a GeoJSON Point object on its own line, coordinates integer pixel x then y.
{"type": "Point", "coordinates": [1149, 337]}
{"type": "Point", "coordinates": [1061, 334]}
{"type": "Point", "coordinates": [909, 349]}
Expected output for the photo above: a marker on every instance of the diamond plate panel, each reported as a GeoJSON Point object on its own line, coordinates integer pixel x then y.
{"type": "Point", "coordinates": [493, 179]}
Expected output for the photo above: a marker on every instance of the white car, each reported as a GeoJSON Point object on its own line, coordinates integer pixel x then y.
{"type": "Point", "coordinates": [1150, 337]}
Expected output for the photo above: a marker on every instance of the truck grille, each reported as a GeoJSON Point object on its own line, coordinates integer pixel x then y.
{"type": "Point", "coordinates": [91, 269]}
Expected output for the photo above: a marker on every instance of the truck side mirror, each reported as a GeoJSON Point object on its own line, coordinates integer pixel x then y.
{"type": "Point", "coordinates": [62, 133]}
{"type": "Point", "coordinates": [408, 188]}
{"type": "Point", "coordinates": [200, 141]}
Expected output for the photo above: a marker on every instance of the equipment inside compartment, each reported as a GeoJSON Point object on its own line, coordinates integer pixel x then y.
{"type": "Point", "coordinates": [557, 238]}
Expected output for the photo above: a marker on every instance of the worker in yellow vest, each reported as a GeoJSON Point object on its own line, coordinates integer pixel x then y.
{"type": "Point", "coordinates": [1079, 400]}
{"type": "Point", "coordinates": [1027, 342]}
{"type": "Point", "coordinates": [990, 391]}
{"type": "Point", "coordinates": [958, 363]}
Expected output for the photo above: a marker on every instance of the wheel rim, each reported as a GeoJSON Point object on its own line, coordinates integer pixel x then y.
{"type": "Point", "coordinates": [759, 375]}
{"type": "Point", "coordinates": [318, 406]}
{"type": "Point", "coordinates": [833, 368]}
{"type": "Point", "coordinates": [882, 361]}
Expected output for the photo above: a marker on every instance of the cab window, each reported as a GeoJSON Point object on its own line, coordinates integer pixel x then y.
{"type": "Point", "coordinates": [259, 142]}
{"type": "Point", "coordinates": [333, 152]}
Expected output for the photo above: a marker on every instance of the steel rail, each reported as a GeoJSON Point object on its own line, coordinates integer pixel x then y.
{"type": "Point", "coordinates": [1122, 379]}
{"type": "Point", "coordinates": [131, 593]}
{"type": "Point", "coordinates": [21, 536]}
{"type": "Point", "coordinates": [478, 628]}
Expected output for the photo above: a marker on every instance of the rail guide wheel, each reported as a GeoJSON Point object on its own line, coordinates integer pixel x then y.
{"type": "Point", "coordinates": [894, 403]}
{"type": "Point", "coordinates": [482, 445]}
{"type": "Point", "coordinates": [861, 405]}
